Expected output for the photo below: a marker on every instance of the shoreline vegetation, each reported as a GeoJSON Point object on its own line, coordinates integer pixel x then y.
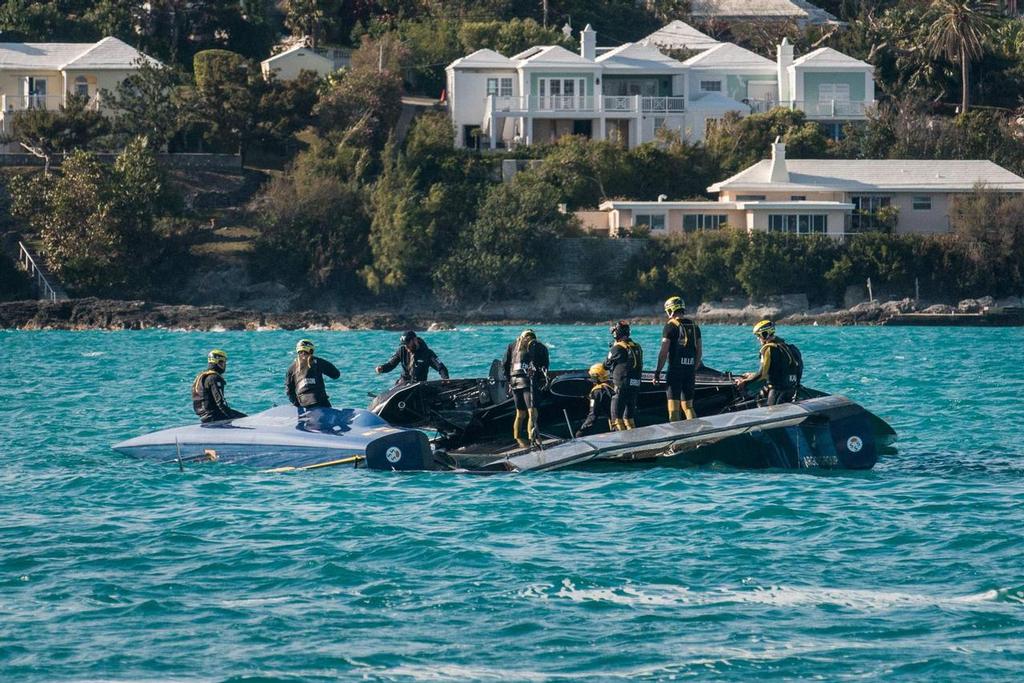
{"type": "Point", "coordinates": [111, 315]}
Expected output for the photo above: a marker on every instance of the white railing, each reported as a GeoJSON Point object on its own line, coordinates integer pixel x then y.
{"type": "Point", "coordinates": [817, 109]}
{"type": "Point", "coordinates": [608, 104]}
{"type": "Point", "coordinates": [46, 290]}
{"type": "Point", "coordinates": [22, 102]}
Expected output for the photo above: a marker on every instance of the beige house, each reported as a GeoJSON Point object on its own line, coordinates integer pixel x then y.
{"type": "Point", "coordinates": [287, 65]}
{"type": "Point", "coordinates": [43, 75]}
{"type": "Point", "coordinates": [824, 196]}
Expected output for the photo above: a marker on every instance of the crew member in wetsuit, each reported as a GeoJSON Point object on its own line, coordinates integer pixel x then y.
{"type": "Point", "coordinates": [625, 363]}
{"type": "Point", "coordinates": [682, 351]}
{"type": "Point", "coordinates": [602, 397]}
{"type": "Point", "coordinates": [208, 390]}
{"type": "Point", "coordinates": [781, 366]}
{"type": "Point", "coordinates": [526, 367]}
{"type": "Point", "coordinates": [304, 381]}
{"type": "Point", "coordinates": [416, 359]}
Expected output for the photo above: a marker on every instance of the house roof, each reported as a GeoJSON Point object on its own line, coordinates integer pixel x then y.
{"type": "Point", "coordinates": [730, 56]}
{"type": "Point", "coordinates": [827, 57]}
{"type": "Point", "coordinates": [109, 53]}
{"type": "Point", "coordinates": [483, 59]}
{"type": "Point", "coordinates": [877, 175]}
{"type": "Point", "coordinates": [772, 10]}
{"type": "Point", "coordinates": [552, 55]}
{"type": "Point", "coordinates": [679, 35]}
{"type": "Point", "coordinates": [638, 57]}
{"type": "Point", "coordinates": [292, 50]}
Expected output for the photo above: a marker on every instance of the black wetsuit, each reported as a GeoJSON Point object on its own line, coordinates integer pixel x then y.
{"type": "Point", "coordinates": [781, 370]}
{"type": "Point", "coordinates": [526, 367]}
{"type": "Point", "coordinates": [601, 397]}
{"type": "Point", "coordinates": [626, 364]}
{"type": "Point", "coordinates": [681, 372]}
{"type": "Point", "coordinates": [416, 364]}
{"type": "Point", "coordinates": [208, 397]}
{"type": "Point", "coordinates": [305, 387]}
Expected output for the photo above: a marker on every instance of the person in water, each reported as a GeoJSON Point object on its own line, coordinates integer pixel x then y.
{"type": "Point", "coordinates": [526, 367]}
{"type": "Point", "coordinates": [781, 366]}
{"type": "Point", "coordinates": [415, 358]}
{"type": "Point", "coordinates": [304, 381]}
{"type": "Point", "coordinates": [626, 364]}
{"type": "Point", "coordinates": [682, 351]}
{"type": "Point", "coordinates": [208, 390]}
{"type": "Point", "coordinates": [602, 398]}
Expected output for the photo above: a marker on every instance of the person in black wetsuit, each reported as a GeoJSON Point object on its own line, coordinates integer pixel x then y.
{"type": "Point", "coordinates": [682, 350]}
{"type": "Point", "coordinates": [208, 390]}
{"type": "Point", "coordinates": [304, 381]}
{"type": "Point", "coordinates": [781, 366]}
{"type": "Point", "coordinates": [626, 364]}
{"type": "Point", "coordinates": [602, 397]}
{"type": "Point", "coordinates": [415, 358]}
{"type": "Point", "coordinates": [526, 368]}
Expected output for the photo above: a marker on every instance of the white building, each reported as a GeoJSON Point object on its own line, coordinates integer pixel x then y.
{"type": "Point", "coordinates": [631, 91]}
{"type": "Point", "coordinates": [287, 65]}
{"type": "Point", "coordinates": [828, 196]}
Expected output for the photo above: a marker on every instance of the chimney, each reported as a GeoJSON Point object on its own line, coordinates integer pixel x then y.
{"type": "Point", "coordinates": [779, 173]}
{"type": "Point", "coordinates": [588, 43]}
{"type": "Point", "coordinates": [785, 59]}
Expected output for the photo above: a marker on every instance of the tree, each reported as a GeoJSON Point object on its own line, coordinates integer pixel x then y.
{"type": "Point", "coordinates": [958, 32]}
{"type": "Point", "coordinates": [508, 37]}
{"type": "Point", "coordinates": [44, 133]}
{"type": "Point", "coordinates": [149, 103]}
{"type": "Point", "coordinates": [225, 101]}
{"type": "Point", "coordinates": [312, 18]}
{"type": "Point", "coordinates": [284, 107]}
{"type": "Point", "coordinates": [737, 142]}
{"type": "Point", "coordinates": [360, 107]}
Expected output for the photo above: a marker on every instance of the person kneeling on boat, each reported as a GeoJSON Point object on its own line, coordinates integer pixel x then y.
{"type": "Point", "coordinates": [626, 364]}
{"type": "Point", "coordinates": [602, 397]}
{"type": "Point", "coordinates": [526, 367]}
{"type": "Point", "coordinates": [781, 367]}
{"type": "Point", "coordinates": [304, 381]}
{"type": "Point", "coordinates": [208, 390]}
{"type": "Point", "coordinates": [416, 359]}
{"type": "Point", "coordinates": [682, 351]}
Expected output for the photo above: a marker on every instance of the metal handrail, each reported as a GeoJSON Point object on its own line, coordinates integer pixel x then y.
{"type": "Point", "coordinates": [30, 266]}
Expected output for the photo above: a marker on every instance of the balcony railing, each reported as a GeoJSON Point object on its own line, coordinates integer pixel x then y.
{"type": "Point", "coordinates": [587, 104]}
{"type": "Point", "coordinates": [840, 109]}
{"type": "Point", "coordinates": [22, 102]}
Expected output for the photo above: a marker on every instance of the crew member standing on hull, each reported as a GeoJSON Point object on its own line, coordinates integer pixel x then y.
{"type": "Point", "coordinates": [304, 381]}
{"type": "Point", "coordinates": [208, 390]}
{"type": "Point", "coordinates": [416, 359]}
{"type": "Point", "coordinates": [526, 367]}
{"type": "Point", "coordinates": [626, 364]}
{"type": "Point", "coordinates": [602, 397]}
{"type": "Point", "coordinates": [782, 366]}
{"type": "Point", "coordinates": [682, 351]}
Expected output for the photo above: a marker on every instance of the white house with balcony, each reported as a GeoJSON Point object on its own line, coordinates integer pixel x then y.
{"type": "Point", "coordinates": [44, 75]}
{"type": "Point", "coordinates": [630, 92]}
{"type": "Point", "coordinates": [825, 196]}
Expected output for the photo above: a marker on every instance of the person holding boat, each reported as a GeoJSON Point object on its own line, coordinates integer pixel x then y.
{"type": "Point", "coordinates": [682, 352]}
{"type": "Point", "coordinates": [526, 368]}
{"type": "Point", "coordinates": [626, 364]}
{"type": "Point", "coordinates": [781, 368]}
{"type": "Point", "coordinates": [602, 398]}
{"type": "Point", "coordinates": [304, 381]}
{"type": "Point", "coordinates": [208, 400]}
{"type": "Point", "coordinates": [415, 358]}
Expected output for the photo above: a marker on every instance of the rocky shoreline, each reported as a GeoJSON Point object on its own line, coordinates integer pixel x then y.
{"type": "Point", "coordinates": [106, 314]}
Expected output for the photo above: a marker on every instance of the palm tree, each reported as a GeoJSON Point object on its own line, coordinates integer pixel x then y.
{"type": "Point", "coordinates": [958, 33]}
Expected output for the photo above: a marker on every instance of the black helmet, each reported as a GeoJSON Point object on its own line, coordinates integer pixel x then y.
{"type": "Point", "coordinates": [620, 330]}
{"type": "Point", "coordinates": [408, 337]}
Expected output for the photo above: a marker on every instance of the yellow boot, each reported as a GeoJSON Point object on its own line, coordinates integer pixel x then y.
{"type": "Point", "coordinates": [517, 428]}
{"type": "Point", "coordinates": [630, 423]}
{"type": "Point", "coordinates": [612, 427]}
{"type": "Point", "coordinates": [675, 414]}
{"type": "Point", "coordinates": [691, 414]}
{"type": "Point", "coordinates": [620, 425]}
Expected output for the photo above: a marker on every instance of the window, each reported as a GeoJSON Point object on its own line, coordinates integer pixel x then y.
{"type": "Point", "coordinates": [750, 197]}
{"type": "Point", "coordinates": [799, 224]}
{"type": "Point", "coordinates": [693, 222]}
{"type": "Point", "coordinates": [865, 212]}
{"type": "Point", "coordinates": [833, 92]}
{"type": "Point", "coordinates": [561, 93]}
{"type": "Point", "coordinates": [81, 86]}
{"type": "Point", "coordinates": [798, 198]}
{"type": "Point", "coordinates": [711, 86]}
{"type": "Point", "coordinates": [653, 221]}
{"type": "Point", "coordinates": [499, 86]}
{"type": "Point", "coordinates": [923, 203]}
{"type": "Point", "coordinates": [659, 123]}
{"type": "Point", "coordinates": [648, 87]}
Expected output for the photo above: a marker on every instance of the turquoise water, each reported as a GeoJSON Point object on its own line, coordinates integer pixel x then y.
{"type": "Point", "coordinates": [113, 569]}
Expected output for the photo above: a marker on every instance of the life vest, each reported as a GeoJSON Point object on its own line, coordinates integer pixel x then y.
{"type": "Point", "coordinates": [684, 348]}
{"type": "Point", "coordinates": [633, 368]}
{"type": "Point", "coordinates": [785, 375]}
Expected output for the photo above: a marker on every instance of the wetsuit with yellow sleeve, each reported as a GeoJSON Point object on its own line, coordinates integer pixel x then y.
{"type": "Point", "coordinates": [780, 370]}
{"type": "Point", "coordinates": [625, 363]}
{"type": "Point", "coordinates": [601, 397]}
{"type": "Point", "coordinates": [208, 400]}
{"type": "Point", "coordinates": [682, 336]}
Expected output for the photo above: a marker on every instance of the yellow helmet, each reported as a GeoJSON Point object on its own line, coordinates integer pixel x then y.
{"type": "Point", "coordinates": [673, 304]}
{"type": "Point", "coordinates": [598, 372]}
{"type": "Point", "coordinates": [304, 345]}
{"type": "Point", "coordinates": [216, 356]}
{"type": "Point", "coordinates": [764, 329]}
